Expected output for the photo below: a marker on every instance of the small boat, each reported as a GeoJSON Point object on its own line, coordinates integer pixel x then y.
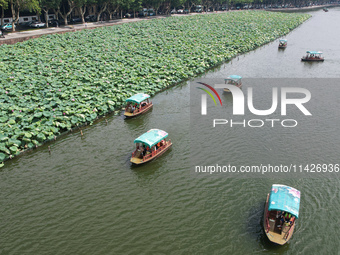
{"type": "Point", "coordinates": [282, 44]}
{"type": "Point", "coordinates": [137, 105]}
{"type": "Point", "coordinates": [313, 56]}
{"type": "Point", "coordinates": [325, 9]}
{"type": "Point", "coordinates": [234, 80]}
{"type": "Point", "coordinates": [149, 146]}
{"type": "Point", "coordinates": [281, 212]}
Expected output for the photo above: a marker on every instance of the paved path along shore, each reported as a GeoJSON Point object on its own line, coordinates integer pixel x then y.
{"type": "Point", "coordinates": [11, 38]}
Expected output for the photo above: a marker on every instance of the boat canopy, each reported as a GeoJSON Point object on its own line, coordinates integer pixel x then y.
{"type": "Point", "coordinates": [138, 98]}
{"type": "Point", "coordinates": [314, 52]}
{"type": "Point", "coordinates": [284, 198]}
{"type": "Point", "coordinates": [283, 40]}
{"type": "Point", "coordinates": [234, 77]}
{"type": "Point", "coordinates": [152, 137]}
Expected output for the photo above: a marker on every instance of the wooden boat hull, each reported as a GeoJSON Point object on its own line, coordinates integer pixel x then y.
{"type": "Point", "coordinates": [147, 158]}
{"type": "Point", "coordinates": [134, 114]}
{"type": "Point", "coordinates": [312, 60]}
{"type": "Point", "coordinates": [228, 91]}
{"type": "Point", "coordinates": [282, 47]}
{"type": "Point", "coordinates": [273, 236]}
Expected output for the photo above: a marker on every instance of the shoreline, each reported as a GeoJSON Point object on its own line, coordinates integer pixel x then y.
{"type": "Point", "coordinates": [15, 37]}
{"type": "Point", "coordinates": [303, 9]}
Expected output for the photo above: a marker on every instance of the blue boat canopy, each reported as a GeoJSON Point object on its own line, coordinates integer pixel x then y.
{"type": "Point", "coordinates": [314, 52]}
{"type": "Point", "coordinates": [152, 137]}
{"type": "Point", "coordinates": [283, 40]}
{"type": "Point", "coordinates": [284, 198]}
{"type": "Point", "coordinates": [234, 77]}
{"type": "Point", "coordinates": [138, 98]}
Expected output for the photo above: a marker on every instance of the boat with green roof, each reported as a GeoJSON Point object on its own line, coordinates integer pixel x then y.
{"type": "Point", "coordinates": [149, 146]}
{"type": "Point", "coordinates": [137, 104]}
{"type": "Point", "coordinates": [281, 212]}
{"type": "Point", "coordinates": [313, 56]}
{"type": "Point", "coordinates": [283, 43]}
{"type": "Point", "coordinates": [235, 80]}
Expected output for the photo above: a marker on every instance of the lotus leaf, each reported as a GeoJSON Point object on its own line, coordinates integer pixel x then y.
{"type": "Point", "coordinates": [13, 149]}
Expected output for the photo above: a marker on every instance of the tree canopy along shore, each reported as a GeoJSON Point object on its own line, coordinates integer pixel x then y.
{"type": "Point", "coordinates": [56, 82]}
{"type": "Point", "coordinates": [66, 11]}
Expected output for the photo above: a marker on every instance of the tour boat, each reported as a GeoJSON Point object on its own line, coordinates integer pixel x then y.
{"type": "Point", "coordinates": [149, 146]}
{"type": "Point", "coordinates": [282, 44]}
{"type": "Point", "coordinates": [281, 212]}
{"type": "Point", "coordinates": [325, 9]}
{"type": "Point", "coordinates": [137, 105]}
{"type": "Point", "coordinates": [233, 80]}
{"type": "Point", "coordinates": [313, 56]}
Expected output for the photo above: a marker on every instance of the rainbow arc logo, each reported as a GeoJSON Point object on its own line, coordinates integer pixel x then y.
{"type": "Point", "coordinates": [209, 93]}
{"type": "Point", "coordinates": [204, 97]}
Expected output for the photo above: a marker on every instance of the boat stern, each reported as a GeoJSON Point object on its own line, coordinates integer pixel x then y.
{"type": "Point", "coordinates": [128, 114]}
{"type": "Point", "coordinates": [136, 161]}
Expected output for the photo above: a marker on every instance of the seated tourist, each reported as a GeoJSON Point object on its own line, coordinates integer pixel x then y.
{"type": "Point", "coordinates": [148, 151]}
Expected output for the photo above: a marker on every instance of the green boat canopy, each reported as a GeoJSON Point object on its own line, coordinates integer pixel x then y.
{"type": "Point", "coordinates": [234, 77]}
{"type": "Point", "coordinates": [283, 40]}
{"type": "Point", "coordinates": [138, 98]}
{"type": "Point", "coordinates": [152, 137]}
{"type": "Point", "coordinates": [314, 52]}
{"type": "Point", "coordinates": [284, 198]}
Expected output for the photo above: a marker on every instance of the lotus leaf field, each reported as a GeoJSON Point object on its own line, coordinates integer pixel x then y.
{"type": "Point", "coordinates": [51, 84]}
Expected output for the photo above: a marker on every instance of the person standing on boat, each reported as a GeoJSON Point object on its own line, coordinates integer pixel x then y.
{"type": "Point", "coordinates": [282, 219]}
{"type": "Point", "coordinates": [287, 217]}
{"type": "Point", "coordinates": [143, 150]}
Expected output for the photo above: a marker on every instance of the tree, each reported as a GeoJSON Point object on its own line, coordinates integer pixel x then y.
{"type": "Point", "coordinates": [17, 5]}
{"type": "Point", "coordinates": [111, 7]}
{"type": "Point", "coordinates": [47, 5]}
{"type": "Point", "coordinates": [103, 4]}
{"type": "Point", "coordinates": [65, 13]}
{"type": "Point", "coordinates": [155, 4]}
{"type": "Point", "coordinates": [4, 6]}
{"type": "Point", "coordinates": [81, 5]}
{"type": "Point", "coordinates": [136, 5]}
